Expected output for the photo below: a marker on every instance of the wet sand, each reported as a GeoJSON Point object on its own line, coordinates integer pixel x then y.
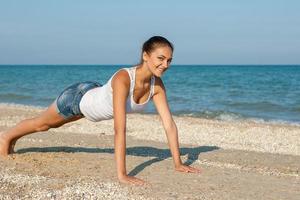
{"type": "Point", "coordinates": [239, 160]}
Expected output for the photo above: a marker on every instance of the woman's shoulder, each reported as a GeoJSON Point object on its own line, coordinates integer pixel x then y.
{"type": "Point", "coordinates": [121, 77]}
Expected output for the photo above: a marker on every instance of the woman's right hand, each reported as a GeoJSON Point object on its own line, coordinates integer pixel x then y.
{"type": "Point", "coordinates": [131, 180]}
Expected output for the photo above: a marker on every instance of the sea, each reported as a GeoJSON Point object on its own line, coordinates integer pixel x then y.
{"type": "Point", "coordinates": [264, 93]}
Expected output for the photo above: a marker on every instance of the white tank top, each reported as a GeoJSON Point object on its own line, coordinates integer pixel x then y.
{"type": "Point", "coordinates": [97, 103]}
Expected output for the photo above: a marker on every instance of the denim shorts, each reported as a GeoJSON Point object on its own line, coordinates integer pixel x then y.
{"type": "Point", "coordinates": [67, 102]}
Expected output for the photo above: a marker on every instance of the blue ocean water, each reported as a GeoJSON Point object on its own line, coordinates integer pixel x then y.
{"type": "Point", "coordinates": [269, 93]}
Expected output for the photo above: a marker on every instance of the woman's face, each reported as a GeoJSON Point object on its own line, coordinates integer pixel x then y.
{"type": "Point", "coordinates": [158, 61]}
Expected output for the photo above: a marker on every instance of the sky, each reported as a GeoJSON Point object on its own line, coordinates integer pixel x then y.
{"type": "Point", "coordinates": [113, 31]}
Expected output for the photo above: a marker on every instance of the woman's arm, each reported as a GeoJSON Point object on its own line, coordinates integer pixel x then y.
{"type": "Point", "coordinates": [121, 86]}
{"type": "Point", "coordinates": [161, 104]}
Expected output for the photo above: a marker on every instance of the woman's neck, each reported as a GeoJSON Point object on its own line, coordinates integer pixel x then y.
{"type": "Point", "coordinates": [143, 74]}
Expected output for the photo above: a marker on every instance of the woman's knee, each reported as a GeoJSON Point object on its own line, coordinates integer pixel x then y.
{"type": "Point", "coordinates": [44, 127]}
{"type": "Point", "coordinates": [43, 123]}
{"type": "Point", "coordinates": [37, 124]}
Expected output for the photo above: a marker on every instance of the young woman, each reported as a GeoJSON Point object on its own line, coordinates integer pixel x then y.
{"type": "Point", "coordinates": [128, 90]}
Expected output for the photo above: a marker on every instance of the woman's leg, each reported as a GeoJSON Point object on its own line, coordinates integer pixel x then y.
{"type": "Point", "coordinates": [46, 120]}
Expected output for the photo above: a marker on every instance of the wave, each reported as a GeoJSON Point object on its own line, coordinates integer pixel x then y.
{"type": "Point", "coordinates": [234, 117]}
{"type": "Point", "coordinates": [13, 96]}
{"type": "Point", "coordinates": [208, 114]}
{"type": "Point", "coordinates": [260, 105]}
{"type": "Point", "coordinates": [22, 106]}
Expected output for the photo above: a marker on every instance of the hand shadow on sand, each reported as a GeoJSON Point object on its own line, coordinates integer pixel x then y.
{"type": "Point", "coordinates": [143, 151]}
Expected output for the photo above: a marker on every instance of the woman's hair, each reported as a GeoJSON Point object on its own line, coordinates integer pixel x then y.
{"type": "Point", "coordinates": [152, 43]}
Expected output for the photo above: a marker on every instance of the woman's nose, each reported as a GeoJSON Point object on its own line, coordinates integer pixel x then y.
{"type": "Point", "coordinates": [165, 64]}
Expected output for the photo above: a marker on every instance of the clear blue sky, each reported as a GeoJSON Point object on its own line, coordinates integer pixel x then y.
{"type": "Point", "coordinates": [112, 31]}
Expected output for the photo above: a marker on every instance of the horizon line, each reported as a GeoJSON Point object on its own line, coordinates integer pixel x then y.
{"type": "Point", "coordinates": [136, 64]}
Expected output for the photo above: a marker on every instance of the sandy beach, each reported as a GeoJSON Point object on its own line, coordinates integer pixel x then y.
{"type": "Point", "coordinates": [239, 160]}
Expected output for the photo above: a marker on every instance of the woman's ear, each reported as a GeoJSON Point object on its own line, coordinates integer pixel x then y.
{"type": "Point", "coordinates": [145, 56]}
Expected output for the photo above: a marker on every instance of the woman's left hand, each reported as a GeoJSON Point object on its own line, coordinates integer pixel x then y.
{"type": "Point", "coordinates": [187, 169]}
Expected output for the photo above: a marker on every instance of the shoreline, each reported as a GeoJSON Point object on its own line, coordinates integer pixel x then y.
{"type": "Point", "coordinates": [191, 115]}
{"type": "Point", "coordinates": [240, 135]}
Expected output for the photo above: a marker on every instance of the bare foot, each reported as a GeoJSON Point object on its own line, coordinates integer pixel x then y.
{"type": "Point", "coordinates": [4, 146]}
